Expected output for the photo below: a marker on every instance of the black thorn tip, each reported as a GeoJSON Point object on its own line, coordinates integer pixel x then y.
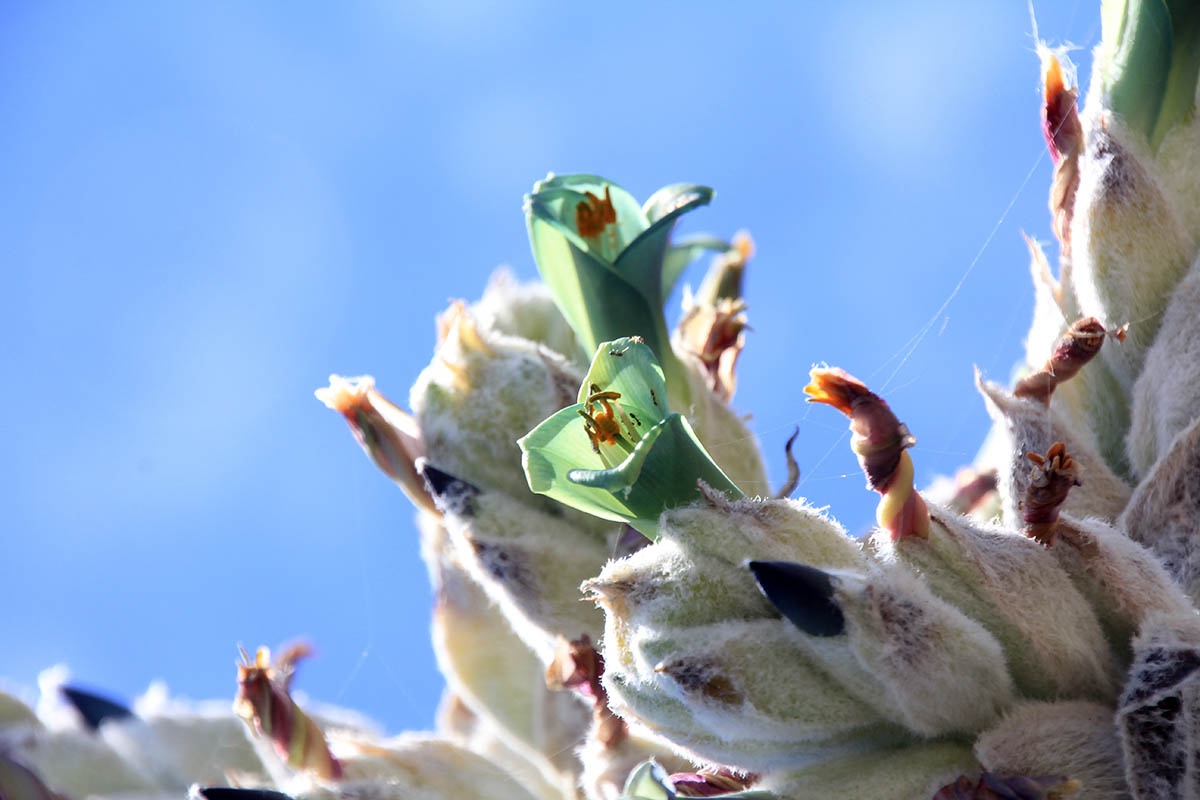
{"type": "Point", "coordinates": [450, 494]}
{"type": "Point", "coordinates": [93, 708]}
{"type": "Point", "coordinates": [801, 593]}
{"type": "Point", "coordinates": [226, 793]}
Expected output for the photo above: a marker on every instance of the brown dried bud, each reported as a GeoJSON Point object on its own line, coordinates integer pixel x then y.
{"type": "Point", "coordinates": [264, 703]}
{"type": "Point", "coordinates": [972, 489]}
{"type": "Point", "coordinates": [1071, 352]}
{"type": "Point", "coordinates": [714, 335]}
{"type": "Point", "coordinates": [1051, 480]}
{"type": "Point", "coordinates": [881, 442]}
{"type": "Point", "coordinates": [1064, 138]}
{"type": "Point", "coordinates": [387, 433]}
{"type": "Point", "coordinates": [578, 666]}
{"type": "Point", "coordinates": [711, 781]}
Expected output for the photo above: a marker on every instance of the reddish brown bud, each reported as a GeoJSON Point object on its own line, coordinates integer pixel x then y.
{"type": "Point", "coordinates": [1064, 138]}
{"type": "Point", "coordinates": [1071, 352]}
{"type": "Point", "coordinates": [578, 666]}
{"type": "Point", "coordinates": [387, 433]}
{"type": "Point", "coordinates": [264, 703]}
{"type": "Point", "coordinates": [1053, 476]}
{"type": "Point", "coordinates": [881, 442]}
{"type": "Point", "coordinates": [973, 488]}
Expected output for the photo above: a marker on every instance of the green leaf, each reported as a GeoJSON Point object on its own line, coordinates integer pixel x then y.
{"type": "Point", "coordinates": [683, 253]}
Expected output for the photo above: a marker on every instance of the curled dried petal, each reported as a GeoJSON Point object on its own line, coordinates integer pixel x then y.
{"type": "Point", "coordinates": [1051, 480]}
{"type": "Point", "coordinates": [881, 442]}
{"type": "Point", "coordinates": [579, 667]}
{"type": "Point", "coordinates": [714, 335]}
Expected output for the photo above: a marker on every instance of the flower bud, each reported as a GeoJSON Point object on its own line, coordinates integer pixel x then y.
{"type": "Point", "coordinates": [1026, 425]}
{"type": "Point", "coordinates": [1072, 738]}
{"type": "Point", "coordinates": [384, 431]}
{"type": "Point", "coordinates": [265, 704]}
{"type": "Point", "coordinates": [881, 442]}
{"type": "Point", "coordinates": [1014, 588]}
{"type": "Point", "coordinates": [482, 392]}
{"type": "Point", "coordinates": [1163, 513]}
{"type": "Point", "coordinates": [1064, 138]}
{"type": "Point", "coordinates": [1051, 479]}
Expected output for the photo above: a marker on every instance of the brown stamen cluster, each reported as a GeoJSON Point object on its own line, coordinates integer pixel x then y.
{"type": "Point", "coordinates": [1052, 478]}
{"type": "Point", "coordinates": [1073, 350]}
{"type": "Point", "coordinates": [593, 215]}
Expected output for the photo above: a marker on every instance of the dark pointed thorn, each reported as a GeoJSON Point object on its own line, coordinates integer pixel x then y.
{"type": "Point", "coordinates": [226, 793]}
{"type": "Point", "coordinates": [452, 495]}
{"type": "Point", "coordinates": [93, 708]}
{"type": "Point", "coordinates": [801, 593]}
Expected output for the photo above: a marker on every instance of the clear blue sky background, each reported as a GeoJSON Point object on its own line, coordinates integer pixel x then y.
{"type": "Point", "coordinates": [206, 208]}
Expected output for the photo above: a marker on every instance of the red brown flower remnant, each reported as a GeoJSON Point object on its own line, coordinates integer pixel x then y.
{"type": "Point", "coordinates": [973, 488]}
{"type": "Point", "coordinates": [1073, 350]}
{"type": "Point", "coordinates": [1052, 478]}
{"type": "Point", "coordinates": [578, 666]}
{"type": "Point", "coordinates": [265, 704]}
{"type": "Point", "coordinates": [881, 442]}
{"type": "Point", "coordinates": [714, 335]}
{"type": "Point", "coordinates": [388, 434]}
{"type": "Point", "coordinates": [1021, 787]}
{"type": "Point", "coordinates": [711, 781]}
{"type": "Point", "coordinates": [1064, 138]}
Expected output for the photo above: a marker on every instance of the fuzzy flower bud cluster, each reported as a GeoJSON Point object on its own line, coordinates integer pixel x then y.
{"type": "Point", "coordinates": [624, 611]}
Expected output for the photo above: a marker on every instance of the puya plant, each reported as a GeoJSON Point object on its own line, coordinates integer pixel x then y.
{"type": "Point", "coordinates": [1031, 632]}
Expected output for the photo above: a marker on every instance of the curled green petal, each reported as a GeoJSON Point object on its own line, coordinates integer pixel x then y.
{"type": "Point", "coordinates": [618, 454]}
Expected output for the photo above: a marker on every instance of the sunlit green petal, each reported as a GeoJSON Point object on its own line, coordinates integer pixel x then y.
{"type": "Point", "coordinates": [630, 368]}
{"type": "Point", "coordinates": [683, 253]}
{"type": "Point", "coordinates": [648, 781]}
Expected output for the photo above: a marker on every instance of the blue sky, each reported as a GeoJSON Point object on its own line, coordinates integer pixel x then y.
{"type": "Point", "coordinates": [205, 209]}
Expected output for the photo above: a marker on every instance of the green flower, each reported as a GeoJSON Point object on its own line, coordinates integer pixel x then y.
{"type": "Point", "coordinates": [618, 452]}
{"type": "Point", "coordinates": [610, 263]}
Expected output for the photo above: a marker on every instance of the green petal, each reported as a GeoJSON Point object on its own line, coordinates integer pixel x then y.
{"type": "Point", "coordinates": [562, 194]}
{"type": "Point", "coordinates": [641, 262]}
{"type": "Point", "coordinates": [597, 302]}
{"type": "Point", "coordinates": [556, 447]}
{"type": "Point", "coordinates": [660, 473]}
{"type": "Point", "coordinates": [683, 253]}
{"type": "Point", "coordinates": [629, 367]}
